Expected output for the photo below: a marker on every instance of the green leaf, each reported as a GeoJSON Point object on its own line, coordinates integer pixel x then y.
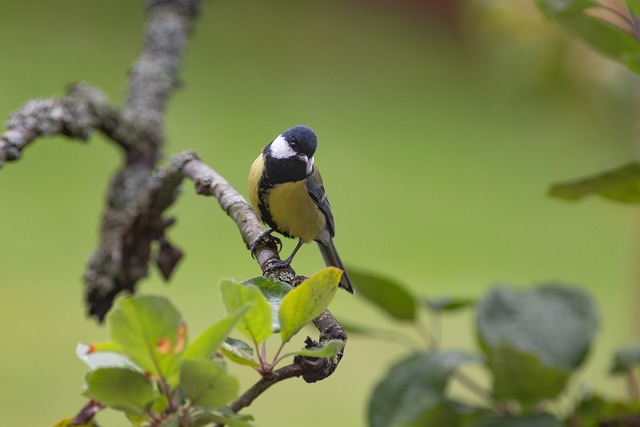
{"type": "Point", "coordinates": [634, 6]}
{"type": "Point", "coordinates": [621, 184]}
{"type": "Point", "coordinates": [103, 359]}
{"type": "Point", "coordinates": [626, 358]}
{"type": "Point", "coordinates": [534, 339]}
{"type": "Point", "coordinates": [413, 387]}
{"type": "Point", "coordinates": [207, 384]}
{"type": "Point", "coordinates": [206, 344]}
{"type": "Point", "coordinates": [208, 418]}
{"type": "Point", "coordinates": [67, 423]}
{"type": "Point", "coordinates": [388, 294]}
{"type": "Point", "coordinates": [449, 303]}
{"type": "Point", "coordinates": [328, 349]}
{"type": "Point", "coordinates": [274, 291]}
{"type": "Point", "coordinates": [120, 388]}
{"type": "Point", "coordinates": [521, 376]}
{"type": "Point", "coordinates": [554, 322]}
{"type": "Point", "coordinates": [239, 352]}
{"type": "Point", "coordinates": [449, 414]}
{"type": "Point", "coordinates": [151, 332]}
{"type": "Point", "coordinates": [537, 420]}
{"type": "Point", "coordinates": [608, 38]}
{"type": "Point", "coordinates": [255, 324]}
{"type": "Point", "coordinates": [307, 301]}
{"type": "Point", "coordinates": [554, 9]}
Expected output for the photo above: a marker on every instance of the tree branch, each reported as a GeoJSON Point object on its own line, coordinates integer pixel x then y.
{"type": "Point", "coordinates": [74, 116]}
{"type": "Point", "coordinates": [137, 195]}
{"type": "Point", "coordinates": [133, 218]}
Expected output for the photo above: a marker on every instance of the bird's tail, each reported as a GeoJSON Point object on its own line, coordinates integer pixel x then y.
{"type": "Point", "coordinates": [331, 258]}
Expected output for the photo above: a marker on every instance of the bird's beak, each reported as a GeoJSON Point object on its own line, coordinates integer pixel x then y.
{"type": "Point", "coordinates": [310, 163]}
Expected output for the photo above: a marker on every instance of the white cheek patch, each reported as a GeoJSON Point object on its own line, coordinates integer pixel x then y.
{"type": "Point", "coordinates": [310, 166]}
{"type": "Point", "coordinates": [280, 149]}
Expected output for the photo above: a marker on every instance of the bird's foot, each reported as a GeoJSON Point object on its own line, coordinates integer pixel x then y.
{"type": "Point", "coordinates": [277, 264]}
{"type": "Point", "coordinates": [265, 238]}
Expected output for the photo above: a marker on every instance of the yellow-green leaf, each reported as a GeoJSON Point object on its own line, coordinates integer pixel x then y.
{"type": "Point", "coordinates": [255, 323]}
{"type": "Point", "coordinates": [307, 301]}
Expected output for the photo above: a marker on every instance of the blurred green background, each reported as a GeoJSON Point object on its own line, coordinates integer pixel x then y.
{"type": "Point", "coordinates": [438, 139]}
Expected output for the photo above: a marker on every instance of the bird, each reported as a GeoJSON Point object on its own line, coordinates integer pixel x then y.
{"type": "Point", "coordinates": [287, 194]}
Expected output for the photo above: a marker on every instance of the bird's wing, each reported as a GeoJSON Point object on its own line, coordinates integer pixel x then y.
{"type": "Point", "coordinates": [319, 196]}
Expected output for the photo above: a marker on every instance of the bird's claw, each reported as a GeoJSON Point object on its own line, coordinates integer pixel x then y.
{"type": "Point", "coordinates": [276, 264]}
{"type": "Point", "coordinates": [265, 237]}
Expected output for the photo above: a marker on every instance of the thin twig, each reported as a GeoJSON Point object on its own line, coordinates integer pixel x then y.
{"type": "Point", "coordinates": [480, 391]}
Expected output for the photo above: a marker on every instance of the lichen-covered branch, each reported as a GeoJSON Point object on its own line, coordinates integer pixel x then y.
{"type": "Point", "coordinates": [133, 219]}
{"type": "Point", "coordinates": [74, 116]}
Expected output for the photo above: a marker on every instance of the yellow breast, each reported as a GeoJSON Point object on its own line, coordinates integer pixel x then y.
{"type": "Point", "coordinates": [294, 211]}
{"type": "Point", "coordinates": [255, 173]}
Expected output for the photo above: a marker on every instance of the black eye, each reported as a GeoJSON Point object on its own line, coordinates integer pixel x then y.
{"type": "Point", "coordinates": [293, 144]}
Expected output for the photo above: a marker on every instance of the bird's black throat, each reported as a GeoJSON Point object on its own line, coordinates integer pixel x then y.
{"type": "Point", "coordinates": [278, 171]}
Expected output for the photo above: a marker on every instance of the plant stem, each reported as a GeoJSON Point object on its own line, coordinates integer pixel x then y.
{"type": "Point", "coordinates": [478, 390]}
{"type": "Point", "coordinates": [634, 384]}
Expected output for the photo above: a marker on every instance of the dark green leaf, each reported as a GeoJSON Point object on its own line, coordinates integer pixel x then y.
{"type": "Point", "coordinates": [449, 414]}
{"type": "Point", "coordinates": [554, 322]}
{"type": "Point", "coordinates": [554, 9]}
{"type": "Point", "coordinates": [204, 419]}
{"type": "Point", "coordinates": [534, 339]}
{"type": "Point", "coordinates": [594, 410]}
{"type": "Point", "coordinates": [413, 387]}
{"type": "Point", "coordinates": [621, 184]}
{"type": "Point", "coordinates": [538, 420]}
{"type": "Point", "coordinates": [448, 303]}
{"type": "Point", "coordinates": [120, 388]}
{"type": "Point", "coordinates": [387, 294]}
{"type": "Point", "coordinates": [256, 321]}
{"type": "Point", "coordinates": [151, 332]}
{"type": "Point", "coordinates": [274, 291]}
{"type": "Point", "coordinates": [205, 345]}
{"type": "Point", "coordinates": [307, 301]}
{"type": "Point", "coordinates": [239, 352]}
{"type": "Point", "coordinates": [521, 376]}
{"type": "Point", "coordinates": [207, 384]}
{"type": "Point", "coordinates": [626, 358]}
{"type": "Point", "coordinates": [328, 349]}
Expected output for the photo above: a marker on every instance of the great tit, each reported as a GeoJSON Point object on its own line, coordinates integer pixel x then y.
{"type": "Point", "coordinates": [287, 194]}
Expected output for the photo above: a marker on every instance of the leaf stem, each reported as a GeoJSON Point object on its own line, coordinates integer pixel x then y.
{"type": "Point", "coordinates": [427, 335]}
{"type": "Point", "coordinates": [276, 358]}
{"type": "Point", "coordinates": [480, 391]}
{"type": "Point", "coordinates": [634, 384]}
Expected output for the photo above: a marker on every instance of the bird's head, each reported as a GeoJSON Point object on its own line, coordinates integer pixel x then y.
{"type": "Point", "coordinates": [297, 143]}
